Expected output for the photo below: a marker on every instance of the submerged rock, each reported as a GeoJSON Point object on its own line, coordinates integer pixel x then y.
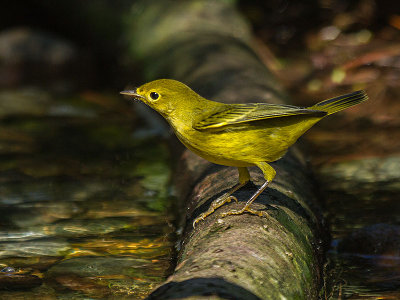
{"type": "Point", "coordinates": [12, 279]}
{"type": "Point", "coordinates": [40, 247]}
{"type": "Point", "coordinates": [107, 275]}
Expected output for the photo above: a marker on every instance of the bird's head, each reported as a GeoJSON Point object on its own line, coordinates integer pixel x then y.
{"type": "Point", "coordinates": [166, 96]}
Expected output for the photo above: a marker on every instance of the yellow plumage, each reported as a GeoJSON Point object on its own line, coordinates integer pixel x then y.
{"type": "Point", "coordinates": [239, 135]}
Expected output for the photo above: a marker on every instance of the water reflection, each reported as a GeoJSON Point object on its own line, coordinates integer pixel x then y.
{"type": "Point", "coordinates": [83, 203]}
{"type": "Point", "coordinates": [363, 209]}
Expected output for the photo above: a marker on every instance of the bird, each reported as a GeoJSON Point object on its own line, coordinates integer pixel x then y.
{"type": "Point", "coordinates": [239, 135]}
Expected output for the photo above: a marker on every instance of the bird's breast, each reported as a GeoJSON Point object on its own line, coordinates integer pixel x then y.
{"type": "Point", "coordinates": [233, 148]}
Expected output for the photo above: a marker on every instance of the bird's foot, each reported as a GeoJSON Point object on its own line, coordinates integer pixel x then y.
{"type": "Point", "coordinates": [245, 209]}
{"type": "Point", "coordinates": [214, 205]}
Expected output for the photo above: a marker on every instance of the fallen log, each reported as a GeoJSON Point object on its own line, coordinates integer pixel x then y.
{"type": "Point", "coordinates": [207, 45]}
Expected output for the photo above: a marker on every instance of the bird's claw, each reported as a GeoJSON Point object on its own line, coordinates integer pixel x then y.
{"type": "Point", "coordinates": [214, 205]}
{"type": "Point", "coordinates": [199, 218]}
{"type": "Point", "coordinates": [232, 198]}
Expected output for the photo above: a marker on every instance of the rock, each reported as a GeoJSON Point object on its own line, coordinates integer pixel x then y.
{"type": "Point", "coordinates": [41, 263]}
{"type": "Point", "coordinates": [17, 282]}
{"type": "Point", "coordinates": [41, 213]}
{"type": "Point", "coordinates": [12, 279]}
{"type": "Point", "coordinates": [42, 247]}
{"type": "Point", "coordinates": [107, 275]}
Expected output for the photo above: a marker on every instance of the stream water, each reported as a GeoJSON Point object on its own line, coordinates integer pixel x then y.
{"type": "Point", "coordinates": [84, 205]}
{"type": "Point", "coordinates": [361, 192]}
{"type": "Point", "coordinates": [83, 200]}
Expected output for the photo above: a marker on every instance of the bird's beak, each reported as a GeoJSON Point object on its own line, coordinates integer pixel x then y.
{"type": "Point", "coordinates": [132, 93]}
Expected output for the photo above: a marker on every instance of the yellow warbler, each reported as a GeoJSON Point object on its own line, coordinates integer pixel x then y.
{"type": "Point", "coordinates": [238, 135]}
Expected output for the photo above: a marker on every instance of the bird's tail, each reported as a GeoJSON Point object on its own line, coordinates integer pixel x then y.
{"type": "Point", "coordinates": [342, 102]}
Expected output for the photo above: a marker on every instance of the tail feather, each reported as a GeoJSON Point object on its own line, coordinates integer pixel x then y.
{"type": "Point", "coordinates": [342, 102]}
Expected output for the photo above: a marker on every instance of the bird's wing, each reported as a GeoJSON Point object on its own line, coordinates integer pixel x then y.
{"type": "Point", "coordinates": [243, 113]}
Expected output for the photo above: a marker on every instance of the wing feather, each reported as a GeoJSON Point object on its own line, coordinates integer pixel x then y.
{"type": "Point", "coordinates": [242, 113]}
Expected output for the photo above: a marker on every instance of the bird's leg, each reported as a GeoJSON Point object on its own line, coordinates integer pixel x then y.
{"type": "Point", "coordinates": [244, 177]}
{"type": "Point", "coordinates": [247, 208]}
{"type": "Point", "coordinates": [269, 174]}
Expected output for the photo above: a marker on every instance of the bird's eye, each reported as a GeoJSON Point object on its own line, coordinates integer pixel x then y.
{"type": "Point", "coordinates": [154, 95]}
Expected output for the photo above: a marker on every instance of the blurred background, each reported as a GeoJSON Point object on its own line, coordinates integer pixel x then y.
{"type": "Point", "coordinates": [85, 200]}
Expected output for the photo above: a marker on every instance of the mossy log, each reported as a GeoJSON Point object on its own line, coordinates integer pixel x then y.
{"type": "Point", "coordinates": [207, 45]}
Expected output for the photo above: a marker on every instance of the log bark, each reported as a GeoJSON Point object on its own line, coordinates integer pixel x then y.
{"type": "Point", "coordinates": [207, 45]}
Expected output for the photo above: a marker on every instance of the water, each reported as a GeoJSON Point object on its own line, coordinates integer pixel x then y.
{"type": "Point", "coordinates": [83, 202]}
{"type": "Point", "coordinates": [365, 249]}
{"type": "Point", "coordinates": [361, 195]}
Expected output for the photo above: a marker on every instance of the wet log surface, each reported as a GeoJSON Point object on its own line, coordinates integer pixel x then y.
{"type": "Point", "coordinates": [206, 44]}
